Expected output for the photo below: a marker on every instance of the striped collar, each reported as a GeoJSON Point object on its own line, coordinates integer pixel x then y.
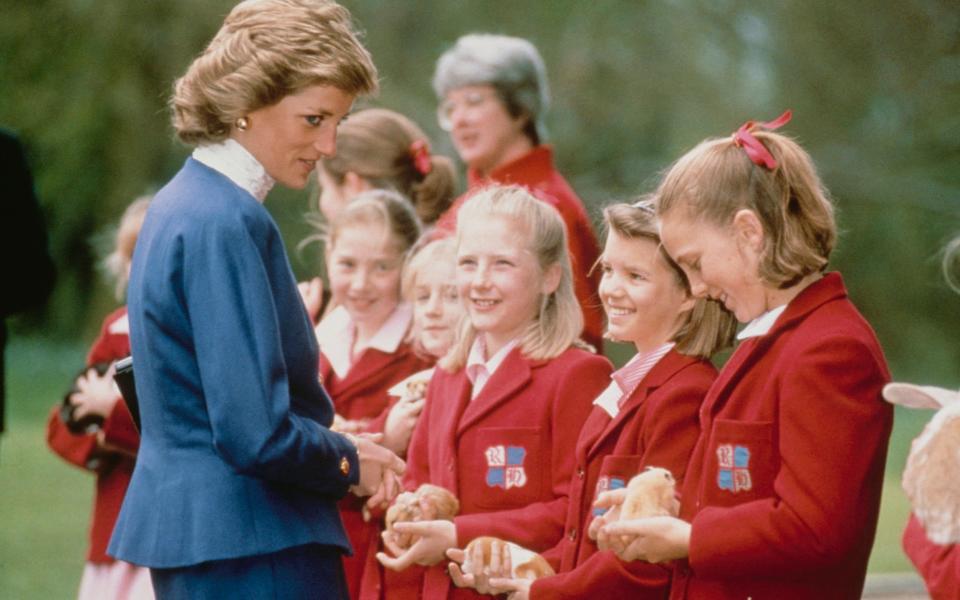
{"type": "Point", "coordinates": [628, 377]}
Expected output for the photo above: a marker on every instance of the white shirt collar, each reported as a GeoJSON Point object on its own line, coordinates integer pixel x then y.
{"type": "Point", "coordinates": [336, 333]}
{"type": "Point", "coordinates": [479, 369]}
{"type": "Point", "coordinates": [231, 159]}
{"type": "Point", "coordinates": [762, 324]}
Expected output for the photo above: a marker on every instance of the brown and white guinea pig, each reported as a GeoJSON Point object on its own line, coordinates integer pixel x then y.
{"type": "Point", "coordinates": [524, 564]}
{"type": "Point", "coordinates": [427, 503]}
{"type": "Point", "coordinates": [930, 477]}
{"type": "Point", "coordinates": [652, 493]}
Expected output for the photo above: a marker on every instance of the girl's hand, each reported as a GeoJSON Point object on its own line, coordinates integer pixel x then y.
{"type": "Point", "coordinates": [312, 294]}
{"type": "Point", "coordinates": [653, 539]}
{"type": "Point", "coordinates": [612, 501]}
{"type": "Point", "coordinates": [435, 538]}
{"type": "Point", "coordinates": [353, 426]}
{"type": "Point", "coordinates": [480, 576]}
{"type": "Point", "coordinates": [400, 424]}
{"type": "Point", "coordinates": [516, 589]}
{"type": "Point", "coordinates": [97, 394]}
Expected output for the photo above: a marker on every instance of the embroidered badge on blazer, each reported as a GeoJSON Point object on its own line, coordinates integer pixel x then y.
{"type": "Point", "coordinates": [734, 471]}
{"type": "Point", "coordinates": [505, 466]}
{"type": "Point", "coordinates": [604, 484]}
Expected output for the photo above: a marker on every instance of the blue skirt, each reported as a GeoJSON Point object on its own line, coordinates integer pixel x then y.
{"type": "Point", "coordinates": [301, 572]}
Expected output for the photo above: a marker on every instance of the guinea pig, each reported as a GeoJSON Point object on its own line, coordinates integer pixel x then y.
{"type": "Point", "coordinates": [651, 493]}
{"type": "Point", "coordinates": [524, 564]}
{"type": "Point", "coordinates": [428, 503]}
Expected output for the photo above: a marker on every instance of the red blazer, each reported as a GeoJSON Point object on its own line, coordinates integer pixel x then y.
{"type": "Point", "coordinates": [938, 565]}
{"type": "Point", "coordinates": [657, 426]}
{"type": "Point", "coordinates": [783, 488]}
{"type": "Point", "coordinates": [113, 460]}
{"type": "Point", "coordinates": [362, 394]}
{"type": "Point", "coordinates": [506, 454]}
{"type": "Point", "coordinates": [536, 172]}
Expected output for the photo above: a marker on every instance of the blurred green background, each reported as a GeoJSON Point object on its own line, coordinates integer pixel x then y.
{"type": "Point", "coordinates": [875, 89]}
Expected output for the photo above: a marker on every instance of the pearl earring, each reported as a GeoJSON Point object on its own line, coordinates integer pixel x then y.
{"type": "Point", "coordinates": [242, 124]}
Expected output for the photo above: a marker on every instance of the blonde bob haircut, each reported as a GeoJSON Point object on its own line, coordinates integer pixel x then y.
{"type": "Point", "coordinates": [379, 145]}
{"type": "Point", "coordinates": [117, 263]}
{"type": "Point", "coordinates": [266, 50]}
{"type": "Point", "coordinates": [708, 327]}
{"type": "Point", "coordinates": [717, 179]}
{"type": "Point", "coordinates": [559, 321]}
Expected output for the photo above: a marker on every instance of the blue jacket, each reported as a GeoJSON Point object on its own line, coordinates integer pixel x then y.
{"type": "Point", "coordinates": [235, 458]}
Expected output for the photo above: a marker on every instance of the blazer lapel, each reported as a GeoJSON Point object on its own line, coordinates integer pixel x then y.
{"type": "Point", "coordinates": [665, 368]}
{"type": "Point", "coordinates": [513, 374]}
{"type": "Point", "coordinates": [370, 363]}
{"type": "Point", "coordinates": [447, 431]}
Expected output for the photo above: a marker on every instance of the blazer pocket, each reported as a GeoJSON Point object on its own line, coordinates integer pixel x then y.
{"type": "Point", "coordinates": [742, 462]}
{"type": "Point", "coordinates": [509, 465]}
{"type": "Point", "coordinates": [616, 470]}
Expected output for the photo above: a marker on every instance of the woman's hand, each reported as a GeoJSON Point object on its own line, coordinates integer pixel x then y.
{"type": "Point", "coordinates": [401, 421]}
{"type": "Point", "coordinates": [435, 538]}
{"type": "Point", "coordinates": [480, 575]}
{"type": "Point", "coordinates": [653, 539]}
{"type": "Point", "coordinates": [380, 469]}
{"type": "Point", "coordinates": [312, 294]}
{"type": "Point", "coordinates": [97, 394]}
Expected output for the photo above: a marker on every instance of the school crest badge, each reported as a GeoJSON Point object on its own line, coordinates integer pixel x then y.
{"type": "Point", "coordinates": [505, 466]}
{"type": "Point", "coordinates": [605, 484]}
{"type": "Point", "coordinates": [734, 468]}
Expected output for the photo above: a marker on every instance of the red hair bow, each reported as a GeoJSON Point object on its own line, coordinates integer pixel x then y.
{"type": "Point", "coordinates": [420, 152]}
{"type": "Point", "coordinates": [757, 152]}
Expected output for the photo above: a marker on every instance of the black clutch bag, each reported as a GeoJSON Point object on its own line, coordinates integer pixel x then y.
{"type": "Point", "coordinates": [124, 378]}
{"type": "Point", "coordinates": [88, 423]}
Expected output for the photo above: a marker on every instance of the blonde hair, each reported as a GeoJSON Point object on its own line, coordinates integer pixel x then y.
{"type": "Point", "coordinates": [378, 145]}
{"type": "Point", "coordinates": [559, 322]}
{"type": "Point", "coordinates": [266, 50]}
{"type": "Point", "coordinates": [426, 252]}
{"type": "Point", "coordinates": [717, 178]}
{"type": "Point", "coordinates": [708, 327]}
{"type": "Point", "coordinates": [117, 263]}
{"type": "Point", "coordinates": [378, 207]}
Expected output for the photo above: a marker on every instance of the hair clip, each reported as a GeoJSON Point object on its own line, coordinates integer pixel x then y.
{"type": "Point", "coordinates": [757, 152]}
{"type": "Point", "coordinates": [646, 205]}
{"type": "Point", "coordinates": [420, 153]}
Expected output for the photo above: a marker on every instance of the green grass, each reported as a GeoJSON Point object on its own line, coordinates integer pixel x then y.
{"type": "Point", "coordinates": [45, 503]}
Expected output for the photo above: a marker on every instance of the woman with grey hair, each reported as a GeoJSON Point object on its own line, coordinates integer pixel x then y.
{"type": "Point", "coordinates": [494, 97]}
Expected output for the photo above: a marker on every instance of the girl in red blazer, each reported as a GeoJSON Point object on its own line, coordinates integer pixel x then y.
{"type": "Point", "coordinates": [363, 347]}
{"type": "Point", "coordinates": [647, 416]}
{"type": "Point", "coordinates": [505, 409]}
{"type": "Point", "coordinates": [110, 450]}
{"type": "Point", "coordinates": [782, 492]}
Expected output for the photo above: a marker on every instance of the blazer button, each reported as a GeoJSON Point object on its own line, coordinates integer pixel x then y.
{"type": "Point", "coordinates": [344, 466]}
{"type": "Point", "coordinates": [580, 472]}
{"type": "Point", "coordinates": [573, 534]}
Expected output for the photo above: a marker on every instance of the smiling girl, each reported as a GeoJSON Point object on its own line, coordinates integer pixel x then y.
{"type": "Point", "coordinates": [506, 406]}
{"type": "Point", "coordinates": [363, 352]}
{"type": "Point", "coordinates": [782, 492]}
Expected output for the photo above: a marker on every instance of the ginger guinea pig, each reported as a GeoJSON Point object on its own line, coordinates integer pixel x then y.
{"type": "Point", "coordinates": [524, 564]}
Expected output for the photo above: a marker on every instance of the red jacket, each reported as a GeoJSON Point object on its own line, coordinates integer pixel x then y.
{"type": "Point", "coordinates": [113, 461]}
{"type": "Point", "coordinates": [938, 565]}
{"type": "Point", "coordinates": [536, 172]}
{"type": "Point", "coordinates": [505, 454]}
{"type": "Point", "coordinates": [783, 487]}
{"type": "Point", "coordinates": [362, 394]}
{"type": "Point", "coordinates": [657, 426]}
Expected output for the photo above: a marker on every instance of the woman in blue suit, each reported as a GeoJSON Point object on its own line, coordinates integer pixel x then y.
{"type": "Point", "coordinates": [235, 488]}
